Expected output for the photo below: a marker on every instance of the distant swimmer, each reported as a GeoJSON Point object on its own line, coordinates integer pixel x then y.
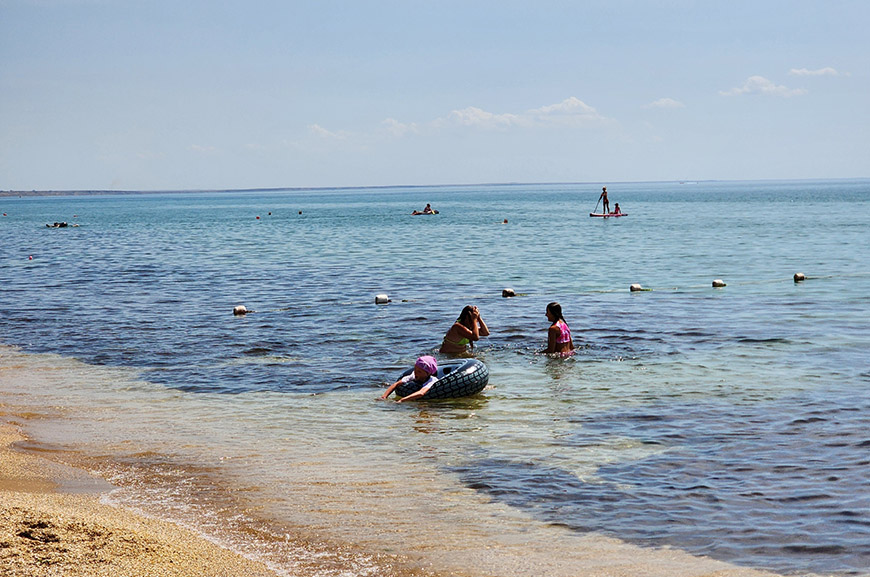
{"type": "Point", "coordinates": [427, 210]}
{"type": "Point", "coordinates": [606, 207]}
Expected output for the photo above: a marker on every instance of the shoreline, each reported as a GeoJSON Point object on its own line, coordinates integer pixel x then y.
{"type": "Point", "coordinates": [60, 519]}
{"type": "Point", "coordinates": [53, 521]}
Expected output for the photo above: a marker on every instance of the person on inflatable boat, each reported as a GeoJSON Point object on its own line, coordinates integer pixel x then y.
{"type": "Point", "coordinates": [424, 372]}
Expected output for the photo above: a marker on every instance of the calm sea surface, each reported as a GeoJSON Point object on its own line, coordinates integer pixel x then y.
{"type": "Point", "coordinates": [728, 423]}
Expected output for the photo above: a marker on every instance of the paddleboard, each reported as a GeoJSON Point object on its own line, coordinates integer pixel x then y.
{"type": "Point", "coordinates": [604, 215]}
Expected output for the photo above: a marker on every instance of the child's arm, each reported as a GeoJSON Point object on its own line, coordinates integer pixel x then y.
{"type": "Point", "coordinates": [418, 394]}
{"type": "Point", "coordinates": [390, 389]}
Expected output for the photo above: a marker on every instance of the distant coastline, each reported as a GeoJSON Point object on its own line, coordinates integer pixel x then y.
{"type": "Point", "coordinates": [32, 193]}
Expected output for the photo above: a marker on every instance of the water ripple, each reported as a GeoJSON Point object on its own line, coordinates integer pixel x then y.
{"type": "Point", "coordinates": [729, 487]}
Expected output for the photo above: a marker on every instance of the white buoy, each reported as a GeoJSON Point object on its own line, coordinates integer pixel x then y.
{"type": "Point", "coordinates": [508, 292]}
{"type": "Point", "coordinates": [635, 288]}
{"type": "Point", "coordinates": [240, 310]}
{"type": "Point", "coordinates": [718, 283]}
{"type": "Point", "coordinates": [381, 299]}
{"type": "Point", "coordinates": [799, 276]}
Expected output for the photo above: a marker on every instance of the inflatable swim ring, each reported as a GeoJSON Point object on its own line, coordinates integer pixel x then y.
{"type": "Point", "coordinates": [459, 378]}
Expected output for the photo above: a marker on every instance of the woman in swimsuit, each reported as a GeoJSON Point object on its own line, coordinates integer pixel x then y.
{"type": "Point", "coordinates": [558, 335]}
{"type": "Point", "coordinates": [468, 328]}
{"type": "Point", "coordinates": [606, 208]}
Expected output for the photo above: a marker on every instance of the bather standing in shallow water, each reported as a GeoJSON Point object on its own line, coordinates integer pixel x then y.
{"type": "Point", "coordinates": [468, 328]}
{"type": "Point", "coordinates": [558, 335]}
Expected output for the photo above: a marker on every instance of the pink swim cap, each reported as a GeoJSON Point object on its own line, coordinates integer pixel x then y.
{"type": "Point", "coordinates": [428, 364]}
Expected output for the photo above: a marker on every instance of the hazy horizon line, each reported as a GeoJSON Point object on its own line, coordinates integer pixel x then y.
{"type": "Point", "coordinates": [82, 192]}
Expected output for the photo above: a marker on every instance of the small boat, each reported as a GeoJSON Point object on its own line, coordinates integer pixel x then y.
{"type": "Point", "coordinates": [608, 214]}
{"type": "Point", "coordinates": [459, 378]}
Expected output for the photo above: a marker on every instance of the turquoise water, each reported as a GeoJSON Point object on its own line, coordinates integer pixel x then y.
{"type": "Point", "coordinates": [729, 423]}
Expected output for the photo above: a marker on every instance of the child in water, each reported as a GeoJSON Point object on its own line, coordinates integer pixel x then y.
{"type": "Point", "coordinates": [558, 335]}
{"type": "Point", "coordinates": [469, 327]}
{"type": "Point", "coordinates": [424, 373]}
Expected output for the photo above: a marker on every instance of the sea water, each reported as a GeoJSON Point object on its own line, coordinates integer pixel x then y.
{"type": "Point", "coordinates": [727, 423]}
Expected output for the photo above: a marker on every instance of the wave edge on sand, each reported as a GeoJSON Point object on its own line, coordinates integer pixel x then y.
{"type": "Point", "coordinates": [46, 529]}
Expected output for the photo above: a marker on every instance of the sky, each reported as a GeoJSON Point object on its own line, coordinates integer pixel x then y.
{"type": "Point", "coordinates": [192, 94]}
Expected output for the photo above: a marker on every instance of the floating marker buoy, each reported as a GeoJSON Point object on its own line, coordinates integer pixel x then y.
{"type": "Point", "coordinates": [258, 218]}
{"type": "Point", "coordinates": [799, 276]}
{"type": "Point", "coordinates": [30, 258]}
{"type": "Point", "coordinates": [240, 310]}
{"type": "Point", "coordinates": [381, 299]}
{"type": "Point", "coordinates": [718, 283]}
{"type": "Point", "coordinates": [508, 292]}
{"type": "Point", "coordinates": [635, 288]}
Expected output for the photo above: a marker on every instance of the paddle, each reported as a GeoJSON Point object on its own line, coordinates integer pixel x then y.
{"type": "Point", "coordinates": [596, 205]}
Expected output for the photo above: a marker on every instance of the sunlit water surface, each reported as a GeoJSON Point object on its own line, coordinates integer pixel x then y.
{"type": "Point", "coordinates": [729, 423]}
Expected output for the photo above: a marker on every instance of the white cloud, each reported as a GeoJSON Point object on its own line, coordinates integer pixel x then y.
{"type": "Point", "coordinates": [569, 106]}
{"type": "Point", "coordinates": [828, 71]}
{"type": "Point", "coordinates": [399, 129]}
{"type": "Point", "coordinates": [571, 111]}
{"type": "Point", "coordinates": [665, 103]}
{"type": "Point", "coordinates": [203, 149]}
{"type": "Point", "coordinates": [761, 85]}
{"type": "Point", "coordinates": [473, 116]}
{"type": "Point", "coordinates": [321, 132]}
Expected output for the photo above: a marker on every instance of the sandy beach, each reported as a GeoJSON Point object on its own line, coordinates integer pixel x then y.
{"type": "Point", "coordinates": [52, 522]}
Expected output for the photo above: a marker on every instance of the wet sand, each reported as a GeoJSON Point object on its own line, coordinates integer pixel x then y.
{"type": "Point", "coordinates": [52, 522]}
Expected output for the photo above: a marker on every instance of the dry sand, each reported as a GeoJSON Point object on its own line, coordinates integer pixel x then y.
{"type": "Point", "coordinates": [51, 525]}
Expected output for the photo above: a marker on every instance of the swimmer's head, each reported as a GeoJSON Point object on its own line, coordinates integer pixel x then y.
{"type": "Point", "coordinates": [554, 312]}
{"type": "Point", "coordinates": [465, 315]}
{"type": "Point", "coordinates": [428, 364]}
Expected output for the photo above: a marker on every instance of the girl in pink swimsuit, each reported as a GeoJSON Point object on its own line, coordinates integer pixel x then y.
{"type": "Point", "coordinates": [558, 335]}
